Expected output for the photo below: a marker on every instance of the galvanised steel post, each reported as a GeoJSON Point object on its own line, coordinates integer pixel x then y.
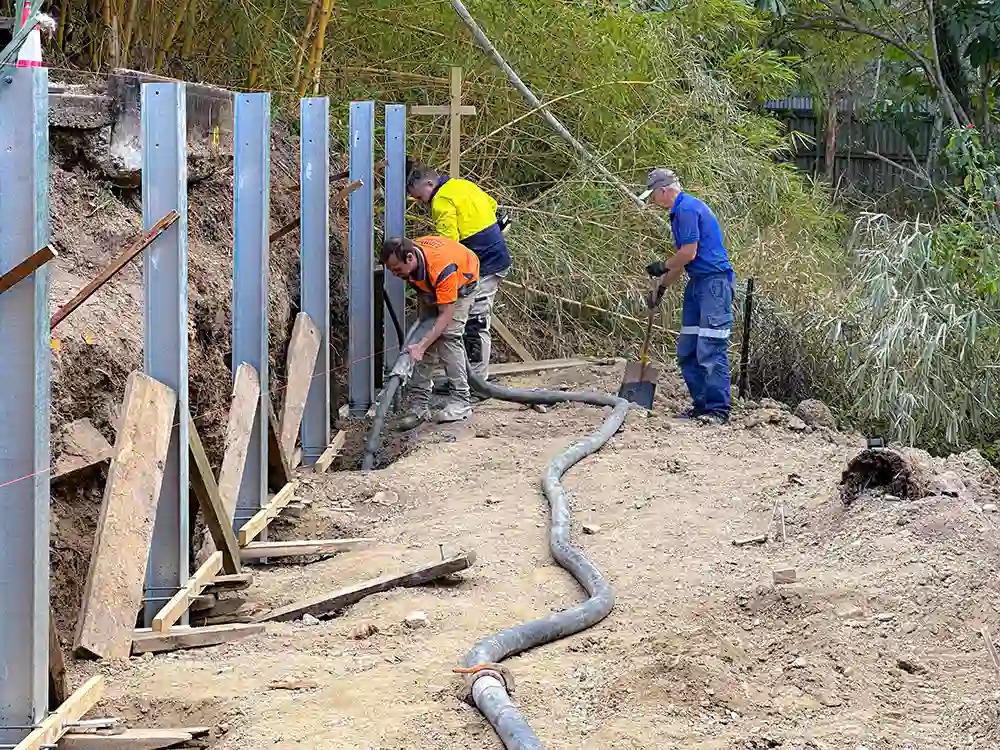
{"type": "Point", "coordinates": [314, 273]}
{"type": "Point", "coordinates": [361, 261]}
{"type": "Point", "coordinates": [395, 223]}
{"type": "Point", "coordinates": [24, 403]}
{"type": "Point", "coordinates": [163, 118]}
{"type": "Point", "coordinates": [251, 212]}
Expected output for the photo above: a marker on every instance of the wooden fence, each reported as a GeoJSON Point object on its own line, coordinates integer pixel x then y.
{"type": "Point", "coordinates": [855, 166]}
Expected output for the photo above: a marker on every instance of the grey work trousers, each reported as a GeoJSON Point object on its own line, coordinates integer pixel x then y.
{"type": "Point", "coordinates": [449, 350]}
{"type": "Point", "coordinates": [478, 331]}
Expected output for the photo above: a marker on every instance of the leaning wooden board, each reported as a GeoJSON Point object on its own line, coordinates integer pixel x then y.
{"type": "Point", "coordinates": [302, 352]}
{"type": "Point", "coordinates": [117, 572]}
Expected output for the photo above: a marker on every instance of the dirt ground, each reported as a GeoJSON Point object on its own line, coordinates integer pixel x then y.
{"type": "Point", "coordinates": [875, 646]}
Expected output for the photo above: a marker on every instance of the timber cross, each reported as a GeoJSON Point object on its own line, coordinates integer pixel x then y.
{"type": "Point", "coordinates": [455, 111]}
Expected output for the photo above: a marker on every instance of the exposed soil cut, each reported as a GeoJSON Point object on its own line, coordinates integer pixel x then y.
{"type": "Point", "coordinates": [100, 343]}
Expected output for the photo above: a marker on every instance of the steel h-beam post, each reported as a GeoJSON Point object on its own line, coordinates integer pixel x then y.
{"type": "Point", "coordinates": [163, 116]}
{"type": "Point", "coordinates": [361, 261]}
{"type": "Point", "coordinates": [251, 212]}
{"type": "Point", "coordinates": [24, 403]}
{"type": "Point", "coordinates": [395, 222]}
{"type": "Point", "coordinates": [314, 274]}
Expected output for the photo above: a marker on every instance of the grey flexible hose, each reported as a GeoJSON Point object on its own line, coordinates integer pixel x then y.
{"type": "Point", "coordinates": [488, 690]}
{"type": "Point", "coordinates": [487, 686]}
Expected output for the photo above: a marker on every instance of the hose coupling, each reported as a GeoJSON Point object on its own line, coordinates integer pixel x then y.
{"type": "Point", "coordinates": [497, 671]}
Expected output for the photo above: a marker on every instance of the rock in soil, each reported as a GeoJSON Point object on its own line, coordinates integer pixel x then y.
{"type": "Point", "coordinates": [815, 413]}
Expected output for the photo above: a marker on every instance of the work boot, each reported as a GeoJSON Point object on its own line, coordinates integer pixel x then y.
{"type": "Point", "coordinates": [454, 411]}
{"type": "Point", "coordinates": [716, 418]}
{"type": "Point", "coordinates": [413, 418]}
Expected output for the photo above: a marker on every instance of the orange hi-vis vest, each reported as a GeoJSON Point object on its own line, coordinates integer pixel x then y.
{"type": "Point", "coordinates": [445, 268]}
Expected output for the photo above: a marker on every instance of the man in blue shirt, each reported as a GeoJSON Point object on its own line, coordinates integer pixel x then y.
{"type": "Point", "coordinates": [707, 317]}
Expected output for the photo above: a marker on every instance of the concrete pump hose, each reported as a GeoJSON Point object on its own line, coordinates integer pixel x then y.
{"type": "Point", "coordinates": [488, 690]}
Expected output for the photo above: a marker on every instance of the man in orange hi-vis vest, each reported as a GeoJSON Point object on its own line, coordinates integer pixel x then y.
{"type": "Point", "coordinates": [446, 276]}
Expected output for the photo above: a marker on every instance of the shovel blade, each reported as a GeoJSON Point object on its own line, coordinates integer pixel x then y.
{"type": "Point", "coordinates": [639, 384]}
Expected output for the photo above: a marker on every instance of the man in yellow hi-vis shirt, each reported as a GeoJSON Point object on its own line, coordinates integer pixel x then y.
{"type": "Point", "coordinates": [462, 211]}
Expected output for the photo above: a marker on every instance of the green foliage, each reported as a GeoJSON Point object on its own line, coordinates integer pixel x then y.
{"type": "Point", "coordinates": [921, 337]}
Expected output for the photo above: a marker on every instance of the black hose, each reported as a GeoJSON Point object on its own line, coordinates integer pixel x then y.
{"type": "Point", "coordinates": [392, 314]}
{"type": "Point", "coordinates": [488, 689]}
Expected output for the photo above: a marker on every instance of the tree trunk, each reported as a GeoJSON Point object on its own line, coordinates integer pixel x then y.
{"type": "Point", "coordinates": [832, 126]}
{"type": "Point", "coordinates": [316, 58]}
{"type": "Point", "coordinates": [307, 33]}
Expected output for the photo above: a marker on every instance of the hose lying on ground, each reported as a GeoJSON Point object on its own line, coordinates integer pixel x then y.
{"type": "Point", "coordinates": [486, 679]}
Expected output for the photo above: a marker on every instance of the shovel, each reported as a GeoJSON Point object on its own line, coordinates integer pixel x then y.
{"type": "Point", "coordinates": [639, 383]}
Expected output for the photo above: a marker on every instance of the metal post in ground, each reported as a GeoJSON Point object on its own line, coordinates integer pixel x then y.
{"type": "Point", "coordinates": [745, 346]}
{"type": "Point", "coordinates": [24, 403]}
{"type": "Point", "coordinates": [251, 209]}
{"type": "Point", "coordinates": [163, 117]}
{"type": "Point", "coordinates": [314, 275]}
{"type": "Point", "coordinates": [395, 223]}
{"type": "Point", "coordinates": [360, 263]}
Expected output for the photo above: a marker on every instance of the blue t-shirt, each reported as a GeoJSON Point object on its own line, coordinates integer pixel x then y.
{"type": "Point", "coordinates": [691, 221]}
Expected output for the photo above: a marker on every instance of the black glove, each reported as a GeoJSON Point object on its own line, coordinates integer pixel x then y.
{"type": "Point", "coordinates": [657, 269]}
{"type": "Point", "coordinates": [655, 297]}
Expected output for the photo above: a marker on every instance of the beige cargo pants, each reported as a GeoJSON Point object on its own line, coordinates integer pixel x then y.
{"type": "Point", "coordinates": [478, 331]}
{"type": "Point", "coordinates": [449, 350]}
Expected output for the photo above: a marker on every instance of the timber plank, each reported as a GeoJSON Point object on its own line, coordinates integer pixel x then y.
{"type": "Point", "coordinates": [259, 550]}
{"type": "Point", "coordinates": [332, 601]}
{"type": "Point", "coordinates": [508, 336]}
{"type": "Point", "coordinates": [117, 571]}
{"type": "Point", "coordinates": [130, 739]}
{"type": "Point", "coordinates": [174, 609]}
{"type": "Point", "coordinates": [242, 415]}
{"type": "Point", "coordinates": [263, 517]}
{"type": "Point", "coordinates": [53, 726]}
{"type": "Point", "coordinates": [220, 525]}
{"type": "Point", "coordinates": [147, 642]}
{"type": "Point", "coordinates": [302, 352]}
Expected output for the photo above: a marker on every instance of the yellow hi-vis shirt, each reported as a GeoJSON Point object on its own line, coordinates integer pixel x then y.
{"type": "Point", "coordinates": [463, 211]}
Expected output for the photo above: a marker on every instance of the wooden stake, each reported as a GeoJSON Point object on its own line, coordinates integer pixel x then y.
{"type": "Point", "coordinates": [992, 650]}
{"type": "Point", "coordinates": [26, 267]}
{"type": "Point", "coordinates": [507, 335]}
{"type": "Point", "coordinates": [116, 265]}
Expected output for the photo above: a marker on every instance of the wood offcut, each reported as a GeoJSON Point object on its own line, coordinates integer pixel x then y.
{"type": "Point", "coordinates": [145, 641]}
{"type": "Point", "coordinates": [259, 550]}
{"type": "Point", "coordinates": [260, 520]}
{"type": "Point", "coordinates": [117, 573]}
{"type": "Point", "coordinates": [324, 604]}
